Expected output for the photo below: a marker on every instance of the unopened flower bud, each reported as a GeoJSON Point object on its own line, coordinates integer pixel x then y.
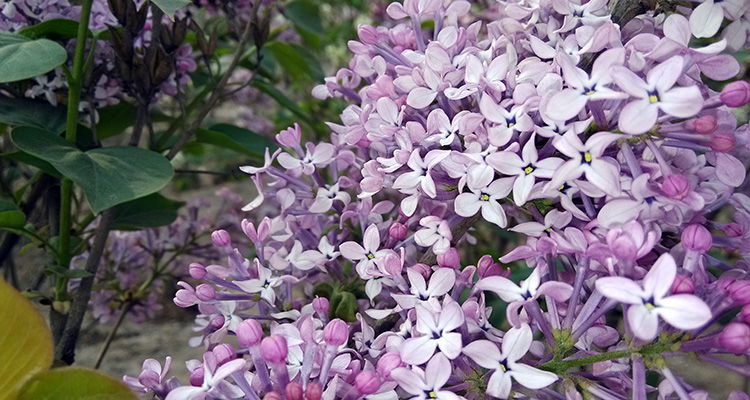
{"type": "Point", "coordinates": [736, 94]}
{"type": "Point", "coordinates": [249, 229]}
{"type": "Point", "coordinates": [221, 238]}
{"type": "Point", "coordinates": [735, 338]}
{"type": "Point", "coordinates": [745, 314]}
{"type": "Point", "coordinates": [732, 229]}
{"type": "Point", "coordinates": [676, 186]}
{"type": "Point", "coordinates": [397, 231]}
{"type": "Point", "coordinates": [683, 284]}
{"type": "Point", "coordinates": [197, 271]}
{"type": "Point", "coordinates": [274, 349]}
{"type": "Point", "coordinates": [423, 269]}
{"type": "Point", "coordinates": [196, 376]}
{"type": "Point", "coordinates": [449, 259]}
{"type": "Point", "coordinates": [724, 282]}
{"type": "Point", "coordinates": [367, 34]}
{"type": "Point", "coordinates": [273, 396]}
{"type": "Point", "coordinates": [486, 266]}
{"type": "Point", "coordinates": [387, 363]}
{"type": "Point", "coordinates": [249, 333]}
{"type": "Point", "coordinates": [321, 305]}
{"type": "Point", "coordinates": [294, 391]}
{"type": "Point", "coordinates": [705, 124]}
{"type": "Point", "coordinates": [696, 238]}
{"type": "Point", "coordinates": [217, 322]}
{"type": "Point", "coordinates": [205, 292]}
{"type": "Point", "coordinates": [722, 142]}
{"type": "Point", "coordinates": [224, 353]}
{"type": "Point", "coordinates": [290, 137]}
{"type": "Point", "coordinates": [336, 332]}
{"type": "Point", "coordinates": [313, 391]}
{"type": "Point", "coordinates": [367, 382]}
{"type": "Point", "coordinates": [739, 291]}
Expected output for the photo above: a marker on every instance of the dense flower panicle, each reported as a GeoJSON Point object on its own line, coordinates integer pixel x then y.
{"type": "Point", "coordinates": [599, 142]}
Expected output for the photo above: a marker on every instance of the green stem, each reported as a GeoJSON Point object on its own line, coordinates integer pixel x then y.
{"type": "Point", "coordinates": [559, 366]}
{"type": "Point", "coordinates": [75, 83]}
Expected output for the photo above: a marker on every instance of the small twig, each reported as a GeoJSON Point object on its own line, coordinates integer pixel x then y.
{"type": "Point", "coordinates": [124, 309]}
{"type": "Point", "coordinates": [215, 95]}
{"type": "Point", "coordinates": [196, 171]}
{"type": "Point", "coordinates": [65, 347]}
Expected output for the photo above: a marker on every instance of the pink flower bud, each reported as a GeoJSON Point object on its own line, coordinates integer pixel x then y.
{"type": "Point", "coordinates": [696, 238]}
{"type": "Point", "coordinates": [423, 269]}
{"type": "Point", "coordinates": [367, 34]}
{"type": "Point", "coordinates": [321, 305]}
{"type": "Point", "coordinates": [224, 353]}
{"type": "Point", "coordinates": [221, 238]}
{"type": "Point", "coordinates": [294, 391]}
{"type": "Point", "coordinates": [736, 94]}
{"type": "Point", "coordinates": [273, 396]}
{"type": "Point", "coordinates": [486, 266]}
{"type": "Point", "coordinates": [449, 259]}
{"type": "Point", "coordinates": [735, 338]}
{"type": "Point", "coordinates": [217, 322]}
{"type": "Point", "coordinates": [197, 271]}
{"type": "Point", "coordinates": [724, 282]}
{"type": "Point", "coordinates": [249, 333]}
{"type": "Point", "coordinates": [745, 314]}
{"type": "Point", "coordinates": [397, 231]}
{"type": "Point", "coordinates": [336, 332]}
{"type": "Point", "coordinates": [290, 137]}
{"type": "Point", "coordinates": [274, 349]}
{"type": "Point", "coordinates": [705, 124]}
{"type": "Point", "coordinates": [367, 382]}
{"type": "Point", "coordinates": [683, 284]}
{"type": "Point", "coordinates": [249, 229]}
{"type": "Point", "coordinates": [205, 292]}
{"type": "Point", "coordinates": [196, 376]}
{"type": "Point", "coordinates": [313, 391]}
{"type": "Point", "coordinates": [722, 142]}
{"type": "Point", "coordinates": [675, 186]}
{"type": "Point", "coordinates": [739, 291]}
{"type": "Point", "coordinates": [387, 363]}
{"type": "Point", "coordinates": [732, 229]}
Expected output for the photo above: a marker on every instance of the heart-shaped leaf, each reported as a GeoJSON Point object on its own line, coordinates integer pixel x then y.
{"type": "Point", "coordinates": [25, 342]}
{"type": "Point", "coordinates": [30, 58]}
{"type": "Point", "coordinates": [55, 29]}
{"type": "Point", "coordinates": [11, 216]}
{"type": "Point", "coordinates": [146, 212]}
{"type": "Point", "coordinates": [28, 112]}
{"type": "Point", "coordinates": [7, 38]}
{"type": "Point", "coordinates": [170, 6]}
{"type": "Point", "coordinates": [108, 176]}
{"type": "Point", "coordinates": [75, 383]}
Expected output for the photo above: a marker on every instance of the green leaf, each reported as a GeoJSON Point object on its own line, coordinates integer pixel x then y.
{"type": "Point", "coordinates": [23, 60]}
{"type": "Point", "coordinates": [27, 158]}
{"type": "Point", "coordinates": [55, 29]}
{"type": "Point", "coordinates": [295, 60]}
{"type": "Point", "coordinates": [7, 38]}
{"type": "Point", "coordinates": [305, 15]}
{"type": "Point", "coordinates": [170, 6]}
{"type": "Point", "coordinates": [149, 211]}
{"type": "Point", "coordinates": [108, 176]}
{"type": "Point", "coordinates": [114, 120]}
{"type": "Point", "coordinates": [28, 112]}
{"type": "Point", "coordinates": [235, 138]}
{"type": "Point", "coordinates": [280, 97]}
{"type": "Point", "coordinates": [346, 308]}
{"type": "Point", "coordinates": [11, 216]}
{"type": "Point", "coordinates": [77, 273]}
{"type": "Point", "coordinates": [75, 383]}
{"type": "Point", "coordinates": [25, 342]}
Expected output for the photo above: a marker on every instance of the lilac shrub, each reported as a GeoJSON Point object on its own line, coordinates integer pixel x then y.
{"type": "Point", "coordinates": [599, 143]}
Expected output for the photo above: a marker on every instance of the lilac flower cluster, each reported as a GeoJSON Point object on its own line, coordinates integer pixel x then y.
{"type": "Point", "coordinates": [136, 263]}
{"type": "Point", "coordinates": [599, 143]}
